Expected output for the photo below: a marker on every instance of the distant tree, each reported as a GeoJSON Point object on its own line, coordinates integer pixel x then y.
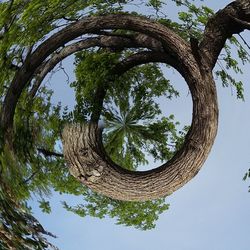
{"type": "Point", "coordinates": [118, 77]}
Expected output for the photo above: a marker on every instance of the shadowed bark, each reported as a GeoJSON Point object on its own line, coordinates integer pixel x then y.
{"type": "Point", "coordinates": [83, 149]}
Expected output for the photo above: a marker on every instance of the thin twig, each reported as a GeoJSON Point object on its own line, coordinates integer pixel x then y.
{"type": "Point", "coordinates": [244, 41]}
{"type": "Point", "coordinates": [31, 177]}
{"type": "Point", "coordinates": [48, 153]}
{"type": "Point", "coordinates": [64, 71]}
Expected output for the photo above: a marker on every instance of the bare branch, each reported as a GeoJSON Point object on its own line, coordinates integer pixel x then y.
{"type": "Point", "coordinates": [47, 66]}
{"type": "Point", "coordinates": [48, 153]}
{"type": "Point", "coordinates": [64, 71]}
{"type": "Point", "coordinates": [243, 24]}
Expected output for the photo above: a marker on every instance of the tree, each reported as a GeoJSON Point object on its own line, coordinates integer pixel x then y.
{"type": "Point", "coordinates": [35, 37]}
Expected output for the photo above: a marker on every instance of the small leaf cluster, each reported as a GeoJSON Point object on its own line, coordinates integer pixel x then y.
{"type": "Point", "coordinates": [141, 215]}
{"type": "Point", "coordinates": [228, 63]}
{"type": "Point", "coordinates": [93, 70]}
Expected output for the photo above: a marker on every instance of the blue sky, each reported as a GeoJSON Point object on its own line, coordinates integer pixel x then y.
{"type": "Point", "coordinates": [210, 212]}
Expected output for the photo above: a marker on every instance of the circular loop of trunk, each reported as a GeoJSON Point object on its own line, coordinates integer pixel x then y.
{"type": "Point", "coordinates": [82, 144]}
{"type": "Point", "coordinates": [89, 163]}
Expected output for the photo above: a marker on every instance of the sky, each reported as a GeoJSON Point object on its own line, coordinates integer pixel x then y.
{"type": "Point", "coordinates": [211, 212]}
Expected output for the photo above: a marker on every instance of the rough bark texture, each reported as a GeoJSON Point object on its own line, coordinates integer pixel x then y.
{"type": "Point", "coordinates": [88, 162]}
{"type": "Point", "coordinates": [83, 147]}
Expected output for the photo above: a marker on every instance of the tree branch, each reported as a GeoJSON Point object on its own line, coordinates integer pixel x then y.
{"type": "Point", "coordinates": [119, 43]}
{"type": "Point", "coordinates": [121, 68]}
{"type": "Point", "coordinates": [143, 58]}
{"type": "Point", "coordinates": [83, 148]}
{"type": "Point", "coordinates": [30, 177]}
{"type": "Point", "coordinates": [243, 24]}
{"type": "Point", "coordinates": [86, 26]}
{"type": "Point", "coordinates": [233, 19]}
{"type": "Point", "coordinates": [48, 153]}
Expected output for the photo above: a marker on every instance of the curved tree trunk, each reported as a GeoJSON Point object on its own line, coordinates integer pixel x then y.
{"type": "Point", "coordinates": [83, 147]}
{"type": "Point", "coordinates": [88, 162]}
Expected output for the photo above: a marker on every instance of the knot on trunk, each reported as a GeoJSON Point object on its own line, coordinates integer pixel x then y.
{"type": "Point", "coordinates": [82, 148]}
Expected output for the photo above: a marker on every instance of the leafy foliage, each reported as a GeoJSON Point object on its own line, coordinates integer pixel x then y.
{"type": "Point", "coordinates": [129, 115]}
{"type": "Point", "coordinates": [141, 215]}
{"type": "Point", "coordinates": [191, 23]}
{"type": "Point", "coordinates": [130, 110]}
{"type": "Point", "coordinates": [18, 228]}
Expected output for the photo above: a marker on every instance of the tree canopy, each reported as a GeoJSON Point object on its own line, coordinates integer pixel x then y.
{"type": "Point", "coordinates": [118, 58]}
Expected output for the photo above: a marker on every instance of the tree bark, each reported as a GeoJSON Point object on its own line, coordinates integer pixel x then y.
{"type": "Point", "coordinates": [88, 162]}
{"type": "Point", "coordinates": [107, 41]}
{"type": "Point", "coordinates": [83, 26]}
{"type": "Point", "coordinates": [83, 147]}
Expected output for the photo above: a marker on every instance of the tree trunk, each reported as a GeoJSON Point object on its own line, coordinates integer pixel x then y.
{"type": "Point", "coordinates": [83, 147]}
{"type": "Point", "coordinates": [89, 163]}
